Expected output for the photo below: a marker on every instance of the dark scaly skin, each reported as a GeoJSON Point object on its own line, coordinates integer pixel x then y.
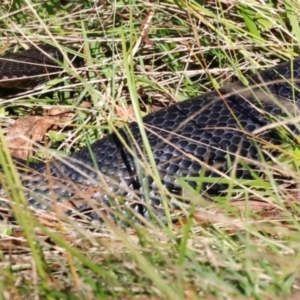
{"type": "Point", "coordinates": [30, 68]}
{"type": "Point", "coordinates": [211, 128]}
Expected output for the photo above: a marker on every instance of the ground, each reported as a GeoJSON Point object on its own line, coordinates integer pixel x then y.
{"type": "Point", "coordinates": [141, 56]}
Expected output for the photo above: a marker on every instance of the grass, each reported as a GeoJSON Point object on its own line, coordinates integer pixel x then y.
{"type": "Point", "coordinates": [141, 56]}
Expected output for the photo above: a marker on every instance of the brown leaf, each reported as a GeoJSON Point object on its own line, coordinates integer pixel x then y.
{"type": "Point", "coordinates": [126, 114]}
{"type": "Point", "coordinates": [85, 104]}
{"type": "Point", "coordinates": [31, 129]}
{"type": "Point", "coordinates": [59, 112]}
{"type": "Point", "coordinates": [26, 131]}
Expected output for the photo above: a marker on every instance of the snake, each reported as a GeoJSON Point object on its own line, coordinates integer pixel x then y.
{"type": "Point", "coordinates": [223, 133]}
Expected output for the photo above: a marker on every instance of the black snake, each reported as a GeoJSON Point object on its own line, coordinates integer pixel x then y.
{"type": "Point", "coordinates": [205, 136]}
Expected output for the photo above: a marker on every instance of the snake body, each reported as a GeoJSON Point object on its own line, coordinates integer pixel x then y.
{"type": "Point", "coordinates": [209, 135]}
{"type": "Point", "coordinates": [30, 68]}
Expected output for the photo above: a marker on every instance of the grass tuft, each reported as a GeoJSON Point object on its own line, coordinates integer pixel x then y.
{"type": "Point", "coordinates": [141, 56]}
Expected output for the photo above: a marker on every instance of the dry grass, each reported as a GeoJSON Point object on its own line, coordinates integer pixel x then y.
{"type": "Point", "coordinates": [150, 55]}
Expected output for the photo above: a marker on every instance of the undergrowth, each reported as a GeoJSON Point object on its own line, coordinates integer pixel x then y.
{"type": "Point", "coordinates": [141, 56]}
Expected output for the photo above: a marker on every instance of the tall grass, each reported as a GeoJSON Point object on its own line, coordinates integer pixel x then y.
{"type": "Point", "coordinates": [141, 56]}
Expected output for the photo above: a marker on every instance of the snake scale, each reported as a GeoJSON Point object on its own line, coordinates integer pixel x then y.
{"type": "Point", "coordinates": [205, 135]}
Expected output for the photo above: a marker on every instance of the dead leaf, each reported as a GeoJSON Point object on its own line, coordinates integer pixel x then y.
{"type": "Point", "coordinates": [28, 130]}
{"type": "Point", "coordinates": [126, 114]}
{"type": "Point", "coordinates": [85, 104]}
{"type": "Point", "coordinates": [59, 112]}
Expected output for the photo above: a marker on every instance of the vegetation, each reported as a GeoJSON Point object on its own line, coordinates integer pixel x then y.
{"type": "Point", "coordinates": [139, 57]}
